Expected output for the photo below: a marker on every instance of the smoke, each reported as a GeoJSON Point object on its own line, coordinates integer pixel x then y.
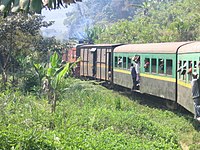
{"type": "Point", "coordinates": [72, 22]}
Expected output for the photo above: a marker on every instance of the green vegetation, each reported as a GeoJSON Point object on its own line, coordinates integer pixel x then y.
{"type": "Point", "coordinates": [157, 21]}
{"type": "Point", "coordinates": [89, 116]}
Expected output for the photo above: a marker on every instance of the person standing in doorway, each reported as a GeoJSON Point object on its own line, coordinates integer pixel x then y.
{"type": "Point", "coordinates": [196, 96]}
{"type": "Point", "coordinates": [134, 76]}
{"type": "Point", "coordinates": [137, 69]}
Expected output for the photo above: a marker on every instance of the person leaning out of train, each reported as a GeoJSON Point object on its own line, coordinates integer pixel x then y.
{"type": "Point", "coordinates": [190, 69]}
{"type": "Point", "coordinates": [196, 95]}
{"type": "Point", "coordinates": [133, 75]}
{"type": "Point", "coordinates": [182, 69]}
{"type": "Point", "coordinates": [146, 65]}
{"type": "Point", "coordinates": [119, 61]}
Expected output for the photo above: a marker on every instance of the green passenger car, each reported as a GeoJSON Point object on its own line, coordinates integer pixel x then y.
{"type": "Point", "coordinates": [155, 80]}
{"type": "Point", "coordinates": [165, 68]}
{"type": "Point", "coordinates": [188, 62]}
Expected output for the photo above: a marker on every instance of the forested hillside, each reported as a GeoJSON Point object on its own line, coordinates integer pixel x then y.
{"type": "Point", "coordinates": [155, 21]}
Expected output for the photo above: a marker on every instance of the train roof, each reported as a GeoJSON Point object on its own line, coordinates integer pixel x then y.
{"type": "Point", "coordinates": [99, 45]}
{"type": "Point", "coordinates": [170, 47]}
{"type": "Point", "coordinates": [190, 48]}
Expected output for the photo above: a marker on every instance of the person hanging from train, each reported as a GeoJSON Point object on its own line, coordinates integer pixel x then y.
{"type": "Point", "coordinates": [137, 69]}
{"type": "Point", "coordinates": [133, 75]}
{"type": "Point", "coordinates": [196, 95]}
{"type": "Point", "coordinates": [182, 69]}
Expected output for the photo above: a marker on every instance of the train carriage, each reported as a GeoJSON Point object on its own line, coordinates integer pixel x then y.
{"type": "Point", "coordinates": [96, 60]}
{"type": "Point", "coordinates": [154, 79]}
{"type": "Point", "coordinates": [71, 55]}
{"type": "Point", "coordinates": [188, 62]}
{"type": "Point", "coordinates": [167, 75]}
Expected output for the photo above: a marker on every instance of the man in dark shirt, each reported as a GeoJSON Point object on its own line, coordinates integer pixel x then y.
{"type": "Point", "coordinates": [134, 76]}
{"type": "Point", "coordinates": [196, 96]}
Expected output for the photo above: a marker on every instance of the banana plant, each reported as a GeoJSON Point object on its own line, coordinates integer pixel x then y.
{"type": "Point", "coordinates": [40, 71]}
{"type": "Point", "coordinates": [36, 6]}
{"type": "Point", "coordinates": [54, 75]}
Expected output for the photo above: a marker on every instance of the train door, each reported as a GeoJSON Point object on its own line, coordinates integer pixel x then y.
{"type": "Point", "coordinates": [92, 62]}
{"type": "Point", "coordinates": [94, 67]}
{"type": "Point", "coordinates": [84, 62]}
{"type": "Point", "coordinates": [104, 63]}
{"type": "Point", "coordinates": [109, 61]}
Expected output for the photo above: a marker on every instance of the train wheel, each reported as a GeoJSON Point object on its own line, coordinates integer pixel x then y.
{"type": "Point", "coordinates": [171, 105]}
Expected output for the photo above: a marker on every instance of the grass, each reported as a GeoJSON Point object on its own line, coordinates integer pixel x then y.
{"type": "Point", "coordinates": [89, 116]}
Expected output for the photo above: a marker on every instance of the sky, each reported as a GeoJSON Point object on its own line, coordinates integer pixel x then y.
{"type": "Point", "coordinates": [58, 16]}
{"type": "Point", "coordinates": [58, 29]}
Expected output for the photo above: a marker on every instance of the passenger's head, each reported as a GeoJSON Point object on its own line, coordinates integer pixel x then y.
{"type": "Point", "coordinates": [194, 75]}
{"type": "Point", "coordinates": [131, 64]}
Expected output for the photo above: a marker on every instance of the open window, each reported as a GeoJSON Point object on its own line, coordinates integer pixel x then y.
{"type": "Point", "coordinates": [124, 62]}
{"type": "Point", "coordinates": [129, 62]}
{"type": "Point", "coordinates": [161, 66]}
{"type": "Point", "coordinates": [169, 67]}
{"type": "Point", "coordinates": [116, 61]}
{"type": "Point", "coordinates": [153, 66]}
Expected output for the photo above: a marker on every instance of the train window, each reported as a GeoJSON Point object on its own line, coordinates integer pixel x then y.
{"type": "Point", "coordinates": [146, 64]}
{"type": "Point", "coordinates": [153, 66]}
{"type": "Point", "coordinates": [124, 62]}
{"type": "Point", "coordinates": [129, 62]}
{"type": "Point", "coordinates": [169, 67]}
{"type": "Point", "coordinates": [116, 60]}
{"type": "Point", "coordinates": [103, 55]}
{"type": "Point", "coordinates": [161, 66]}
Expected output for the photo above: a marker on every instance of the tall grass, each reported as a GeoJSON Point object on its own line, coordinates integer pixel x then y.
{"type": "Point", "coordinates": [88, 116]}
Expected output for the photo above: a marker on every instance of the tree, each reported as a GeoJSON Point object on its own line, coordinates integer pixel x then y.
{"type": "Point", "coordinates": [13, 29]}
{"type": "Point", "coordinates": [7, 6]}
{"type": "Point", "coordinates": [92, 33]}
{"type": "Point", "coordinates": [144, 7]}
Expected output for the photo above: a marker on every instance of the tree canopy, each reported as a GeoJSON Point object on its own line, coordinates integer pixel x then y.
{"type": "Point", "coordinates": [165, 21]}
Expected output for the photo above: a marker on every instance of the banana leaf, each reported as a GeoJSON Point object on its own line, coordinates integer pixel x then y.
{"type": "Point", "coordinates": [36, 6]}
{"type": "Point", "coordinates": [15, 7]}
{"type": "Point", "coordinates": [4, 4]}
{"type": "Point", "coordinates": [24, 4]}
{"type": "Point", "coordinates": [54, 60]}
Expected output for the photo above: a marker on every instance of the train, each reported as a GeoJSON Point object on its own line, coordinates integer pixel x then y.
{"type": "Point", "coordinates": [165, 68]}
